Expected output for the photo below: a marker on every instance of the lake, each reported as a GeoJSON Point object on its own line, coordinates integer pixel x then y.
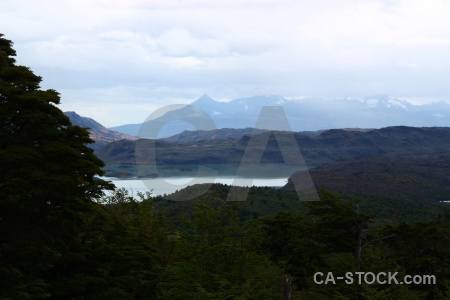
{"type": "Point", "coordinates": [173, 178]}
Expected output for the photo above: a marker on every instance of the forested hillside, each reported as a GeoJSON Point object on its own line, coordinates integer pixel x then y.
{"type": "Point", "coordinates": [419, 177]}
{"type": "Point", "coordinates": [328, 146]}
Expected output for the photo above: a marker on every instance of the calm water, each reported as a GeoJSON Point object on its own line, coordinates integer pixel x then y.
{"type": "Point", "coordinates": [172, 179]}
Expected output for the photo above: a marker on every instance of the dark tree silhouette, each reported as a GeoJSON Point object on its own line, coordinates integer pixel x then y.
{"type": "Point", "coordinates": [46, 181]}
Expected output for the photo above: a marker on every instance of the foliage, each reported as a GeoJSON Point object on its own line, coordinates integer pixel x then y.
{"type": "Point", "coordinates": [46, 182]}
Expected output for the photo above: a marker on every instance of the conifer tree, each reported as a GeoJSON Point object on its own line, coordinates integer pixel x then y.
{"type": "Point", "coordinates": [46, 182]}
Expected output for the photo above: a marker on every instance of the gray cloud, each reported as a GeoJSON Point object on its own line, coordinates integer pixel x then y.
{"type": "Point", "coordinates": [114, 60]}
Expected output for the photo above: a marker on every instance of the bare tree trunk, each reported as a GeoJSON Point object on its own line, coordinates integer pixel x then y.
{"type": "Point", "coordinates": [287, 288]}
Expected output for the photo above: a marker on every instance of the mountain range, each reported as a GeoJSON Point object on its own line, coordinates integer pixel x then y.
{"type": "Point", "coordinates": [305, 114]}
{"type": "Point", "coordinates": [325, 147]}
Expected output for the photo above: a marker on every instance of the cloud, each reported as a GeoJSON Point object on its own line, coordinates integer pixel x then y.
{"type": "Point", "coordinates": [143, 52]}
{"type": "Point", "coordinates": [181, 43]}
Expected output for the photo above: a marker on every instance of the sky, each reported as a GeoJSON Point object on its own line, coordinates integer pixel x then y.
{"type": "Point", "coordinates": [117, 61]}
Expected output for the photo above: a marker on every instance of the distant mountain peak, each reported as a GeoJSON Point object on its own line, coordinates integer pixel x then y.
{"type": "Point", "coordinates": [318, 113]}
{"type": "Point", "coordinates": [204, 99]}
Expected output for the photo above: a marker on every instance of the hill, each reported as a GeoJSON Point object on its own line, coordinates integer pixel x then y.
{"type": "Point", "coordinates": [217, 134]}
{"type": "Point", "coordinates": [328, 146]}
{"type": "Point", "coordinates": [100, 134]}
{"type": "Point", "coordinates": [419, 177]}
{"type": "Point", "coordinates": [233, 133]}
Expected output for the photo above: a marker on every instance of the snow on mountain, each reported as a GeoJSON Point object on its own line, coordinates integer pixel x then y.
{"type": "Point", "coordinates": [313, 113]}
{"type": "Point", "coordinates": [397, 103]}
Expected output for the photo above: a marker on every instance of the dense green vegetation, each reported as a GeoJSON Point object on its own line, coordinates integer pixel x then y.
{"type": "Point", "coordinates": [62, 238]}
{"type": "Point", "coordinates": [46, 184]}
{"type": "Point", "coordinates": [423, 176]}
{"type": "Point", "coordinates": [154, 248]}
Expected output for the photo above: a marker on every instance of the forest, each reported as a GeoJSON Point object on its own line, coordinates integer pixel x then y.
{"type": "Point", "coordinates": [63, 237]}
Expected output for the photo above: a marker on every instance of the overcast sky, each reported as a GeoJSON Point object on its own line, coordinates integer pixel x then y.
{"type": "Point", "coordinates": [118, 60]}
